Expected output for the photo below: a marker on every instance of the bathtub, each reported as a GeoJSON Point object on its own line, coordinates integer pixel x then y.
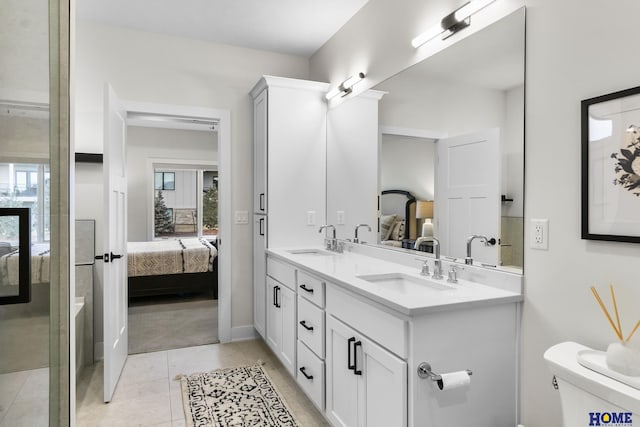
{"type": "Point", "coordinates": [79, 306]}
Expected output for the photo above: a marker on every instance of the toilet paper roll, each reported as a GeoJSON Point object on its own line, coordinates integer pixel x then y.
{"type": "Point", "coordinates": [454, 380]}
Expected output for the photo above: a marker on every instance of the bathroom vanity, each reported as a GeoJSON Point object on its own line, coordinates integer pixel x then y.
{"type": "Point", "coordinates": [352, 329]}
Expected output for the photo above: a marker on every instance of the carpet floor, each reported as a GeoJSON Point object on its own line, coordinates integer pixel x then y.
{"type": "Point", "coordinates": [166, 323]}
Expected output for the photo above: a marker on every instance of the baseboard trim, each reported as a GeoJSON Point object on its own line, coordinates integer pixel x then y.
{"type": "Point", "coordinates": [243, 333]}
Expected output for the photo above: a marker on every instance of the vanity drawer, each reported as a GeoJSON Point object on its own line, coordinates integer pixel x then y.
{"type": "Point", "coordinates": [311, 326]}
{"type": "Point", "coordinates": [282, 272]}
{"type": "Point", "coordinates": [386, 329]}
{"type": "Point", "coordinates": [311, 287]}
{"type": "Point", "coordinates": [310, 366]}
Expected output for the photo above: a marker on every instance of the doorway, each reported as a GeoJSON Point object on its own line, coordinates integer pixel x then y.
{"type": "Point", "coordinates": [172, 179]}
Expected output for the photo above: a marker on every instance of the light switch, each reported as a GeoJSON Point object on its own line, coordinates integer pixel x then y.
{"type": "Point", "coordinates": [340, 218]}
{"type": "Point", "coordinates": [311, 217]}
{"type": "Point", "coordinates": [242, 217]}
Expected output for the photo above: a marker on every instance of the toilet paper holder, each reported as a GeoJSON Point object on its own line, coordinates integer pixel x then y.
{"type": "Point", "coordinates": [424, 371]}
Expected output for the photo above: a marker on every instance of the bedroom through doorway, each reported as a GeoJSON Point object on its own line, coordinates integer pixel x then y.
{"type": "Point", "coordinates": [172, 217]}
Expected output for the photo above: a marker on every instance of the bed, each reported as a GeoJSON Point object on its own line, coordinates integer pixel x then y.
{"type": "Point", "coordinates": [165, 267]}
{"type": "Point", "coordinates": [40, 261]}
{"type": "Point", "coordinates": [398, 223]}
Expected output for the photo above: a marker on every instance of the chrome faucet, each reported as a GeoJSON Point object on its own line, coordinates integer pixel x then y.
{"type": "Point", "coordinates": [484, 239]}
{"type": "Point", "coordinates": [437, 264]}
{"type": "Point", "coordinates": [355, 239]}
{"type": "Point", "coordinates": [331, 244]}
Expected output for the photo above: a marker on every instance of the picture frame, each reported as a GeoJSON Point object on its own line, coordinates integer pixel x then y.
{"type": "Point", "coordinates": [610, 161]}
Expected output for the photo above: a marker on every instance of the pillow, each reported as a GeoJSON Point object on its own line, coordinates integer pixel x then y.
{"type": "Point", "coordinates": [397, 231]}
{"type": "Point", "coordinates": [386, 223]}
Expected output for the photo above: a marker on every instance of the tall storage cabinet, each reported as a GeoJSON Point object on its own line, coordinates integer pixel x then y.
{"type": "Point", "coordinates": [289, 173]}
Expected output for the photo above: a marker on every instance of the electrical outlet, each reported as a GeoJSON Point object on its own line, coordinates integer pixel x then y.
{"type": "Point", "coordinates": [311, 217]}
{"type": "Point", "coordinates": [539, 234]}
{"type": "Point", "coordinates": [340, 218]}
{"type": "Point", "coordinates": [242, 217]}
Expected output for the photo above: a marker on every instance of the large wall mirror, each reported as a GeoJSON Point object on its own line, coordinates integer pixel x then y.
{"type": "Point", "coordinates": [452, 137]}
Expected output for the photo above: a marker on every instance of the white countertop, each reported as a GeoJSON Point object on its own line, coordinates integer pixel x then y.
{"type": "Point", "coordinates": [343, 270]}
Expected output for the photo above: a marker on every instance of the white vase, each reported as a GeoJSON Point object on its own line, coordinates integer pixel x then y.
{"type": "Point", "coordinates": [624, 358]}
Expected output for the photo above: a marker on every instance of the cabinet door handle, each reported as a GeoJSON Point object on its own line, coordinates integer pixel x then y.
{"type": "Point", "coordinates": [304, 325]}
{"type": "Point", "coordinates": [349, 365]}
{"type": "Point", "coordinates": [261, 226]}
{"type": "Point", "coordinates": [304, 287]}
{"type": "Point", "coordinates": [262, 201]}
{"type": "Point", "coordinates": [355, 357]}
{"type": "Point", "coordinates": [277, 296]}
{"type": "Point", "coordinates": [307, 376]}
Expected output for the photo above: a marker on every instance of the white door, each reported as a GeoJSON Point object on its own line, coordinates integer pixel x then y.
{"type": "Point", "coordinates": [382, 391]}
{"type": "Point", "coordinates": [468, 194]}
{"type": "Point", "coordinates": [115, 242]}
{"type": "Point", "coordinates": [274, 316]}
{"type": "Point", "coordinates": [259, 274]}
{"type": "Point", "coordinates": [342, 382]}
{"type": "Point", "coordinates": [260, 153]}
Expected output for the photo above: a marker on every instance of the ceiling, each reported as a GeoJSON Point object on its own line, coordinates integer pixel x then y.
{"type": "Point", "coordinates": [297, 27]}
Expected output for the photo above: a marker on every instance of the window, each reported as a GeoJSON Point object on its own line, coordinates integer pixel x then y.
{"type": "Point", "coordinates": [27, 185]}
{"type": "Point", "coordinates": [165, 180]}
{"type": "Point", "coordinates": [176, 213]}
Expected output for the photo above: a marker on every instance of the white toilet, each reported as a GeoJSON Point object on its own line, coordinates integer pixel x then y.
{"type": "Point", "coordinates": [589, 398]}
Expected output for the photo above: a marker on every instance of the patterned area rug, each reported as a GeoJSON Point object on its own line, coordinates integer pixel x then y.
{"type": "Point", "coordinates": [242, 397]}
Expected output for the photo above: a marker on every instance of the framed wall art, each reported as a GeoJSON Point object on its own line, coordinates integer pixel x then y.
{"type": "Point", "coordinates": [611, 167]}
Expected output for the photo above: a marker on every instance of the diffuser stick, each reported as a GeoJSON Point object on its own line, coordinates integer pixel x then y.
{"type": "Point", "coordinates": [615, 309]}
{"type": "Point", "coordinates": [606, 313]}
{"type": "Point", "coordinates": [635, 328]}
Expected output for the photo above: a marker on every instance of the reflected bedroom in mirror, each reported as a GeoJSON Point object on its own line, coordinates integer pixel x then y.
{"type": "Point", "coordinates": [15, 242]}
{"type": "Point", "coordinates": [452, 149]}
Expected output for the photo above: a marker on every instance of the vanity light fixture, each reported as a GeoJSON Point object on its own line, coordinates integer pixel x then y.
{"type": "Point", "coordinates": [346, 87]}
{"type": "Point", "coordinates": [452, 23]}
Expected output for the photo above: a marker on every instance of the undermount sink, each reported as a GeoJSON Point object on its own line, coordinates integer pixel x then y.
{"type": "Point", "coordinates": [309, 252]}
{"type": "Point", "coordinates": [405, 282]}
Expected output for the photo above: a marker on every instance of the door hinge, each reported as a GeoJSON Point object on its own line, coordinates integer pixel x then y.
{"type": "Point", "coordinates": [554, 383]}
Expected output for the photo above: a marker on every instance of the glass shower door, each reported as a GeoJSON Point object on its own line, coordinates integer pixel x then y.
{"type": "Point", "coordinates": [34, 175]}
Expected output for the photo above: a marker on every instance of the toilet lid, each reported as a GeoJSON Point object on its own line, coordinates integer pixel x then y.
{"type": "Point", "coordinates": [597, 361]}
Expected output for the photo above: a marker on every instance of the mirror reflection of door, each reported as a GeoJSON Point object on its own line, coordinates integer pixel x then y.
{"type": "Point", "coordinates": [468, 171]}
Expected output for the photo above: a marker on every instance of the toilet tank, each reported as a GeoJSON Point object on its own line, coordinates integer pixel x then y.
{"type": "Point", "coordinates": [589, 398]}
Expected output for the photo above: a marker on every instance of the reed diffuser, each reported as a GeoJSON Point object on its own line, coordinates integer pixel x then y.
{"type": "Point", "coordinates": [622, 356]}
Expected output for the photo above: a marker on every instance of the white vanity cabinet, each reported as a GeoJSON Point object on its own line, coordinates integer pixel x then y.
{"type": "Point", "coordinates": [289, 170]}
{"type": "Point", "coordinates": [311, 336]}
{"type": "Point", "coordinates": [354, 349]}
{"type": "Point", "coordinates": [281, 312]}
{"type": "Point", "coordinates": [366, 383]}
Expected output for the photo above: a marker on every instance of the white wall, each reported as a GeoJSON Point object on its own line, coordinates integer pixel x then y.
{"type": "Point", "coordinates": [440, 105]}
{"type": "Point", "coordinates": [565, 64]}
{"type": "Point", "coordinates": [408, 163]}
{"type": "Point", "coordinates": [145, 144]}
{"type": "Point", "coordinates": [147, 67]}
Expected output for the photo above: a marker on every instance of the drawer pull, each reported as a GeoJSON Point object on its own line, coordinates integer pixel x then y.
{"type": "Point", "coordinates": [304, 287]}
{"type": "Point", "coordinates": [307, 376]}
{"type": "Point", "coordinates": [355, 358]}
{"type": "Point", "coordinates": [304, 325]}
{"type": "Point", "coordinates": [276, 292]}
{"type": "Point", "coordinates": [349, 365]}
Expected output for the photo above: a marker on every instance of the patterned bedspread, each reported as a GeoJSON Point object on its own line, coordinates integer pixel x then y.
{"type": "Point", "coordinates": [40, 263]}
{"type": "Point", "coordinates": [194, 255]}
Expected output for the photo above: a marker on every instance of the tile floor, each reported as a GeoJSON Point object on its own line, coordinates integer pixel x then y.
{"type": "Point", "coordinates": [24, 398]}
{"type": "Point", "coordinates": [148, 395]}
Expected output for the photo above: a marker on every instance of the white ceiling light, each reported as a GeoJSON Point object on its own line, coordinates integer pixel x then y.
{"type": "Point", "coordinates": [346, 87]}
{"type": "Point", "coordinates": [452, 23]}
